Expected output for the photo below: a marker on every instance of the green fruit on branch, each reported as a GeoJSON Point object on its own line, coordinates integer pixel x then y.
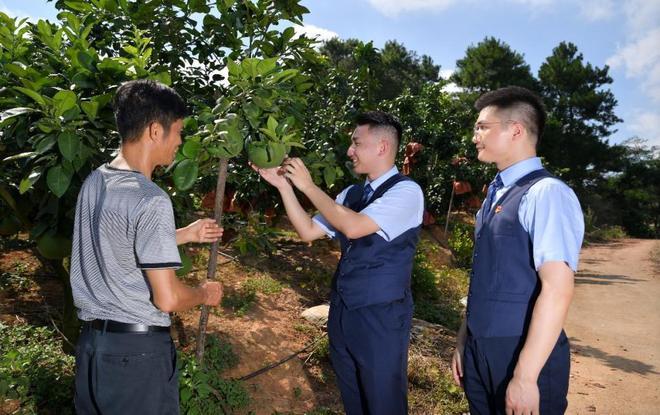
{"type": "Point", "coordinates": [266, 154]}
{"type": "Point", "coordinates": [9, 225]}
{"type": "Point", "coordinates": [53, 246]}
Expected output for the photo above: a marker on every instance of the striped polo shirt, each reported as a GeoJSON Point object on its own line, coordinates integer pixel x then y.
{"type": "Point", "coordinates": [124, 225]}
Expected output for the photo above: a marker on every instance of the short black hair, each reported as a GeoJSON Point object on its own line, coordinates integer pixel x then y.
{"type": "Point", "coordinates": [141, 102]}
{"type": "Point", "coordinates": [519, 99]}
{"type": "Point", "coordinates": [380, 119]}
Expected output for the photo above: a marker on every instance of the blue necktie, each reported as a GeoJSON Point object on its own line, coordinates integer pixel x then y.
{"type": "Point", "coordinates": [367, 192]}
{"type": "Point", "coordinates": [494, 186]}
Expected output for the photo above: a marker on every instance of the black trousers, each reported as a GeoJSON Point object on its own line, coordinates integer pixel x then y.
{"type": "Point", "coordinates": [125, 373]}
{"type": "Point", "coordinates": [488, 365]}
{"type": "Point", "coordinates": [369, 353]}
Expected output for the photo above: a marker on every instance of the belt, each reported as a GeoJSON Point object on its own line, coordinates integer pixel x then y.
{"type": "Point", "coordinates": [118, 327]}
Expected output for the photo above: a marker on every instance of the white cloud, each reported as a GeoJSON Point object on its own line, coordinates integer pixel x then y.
{"type": "Point", "coordinates": [393, 8]}
{"type": "Point", "coordinates": [452, 88]}
{"type": "Point", "coordinates": [645, 125]}
{"type": "Point", "coordinates": [535, 3]}
{"type": "Point", "coordinates": [446, 73]}
{"type": "Point", "coordinates": [594, 10]}
{"type": "Point", "coordinates": [640, 58]}
{"type": "Point", "coordinates": [638, 55]}
{"type": "Point", "coordinates": [641, 15]}
{"type": "Point", "coordinates": [315, 32]}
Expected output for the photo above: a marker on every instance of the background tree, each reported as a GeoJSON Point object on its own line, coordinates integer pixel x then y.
{"type": "Point", "coordinates": [492, 64]}
{"type": "Point", "coordinates": [581, 114]}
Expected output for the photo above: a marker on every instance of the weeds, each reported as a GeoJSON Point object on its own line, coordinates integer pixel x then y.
{"type": "Point", "coordinates": [461, 244]}
{"type": "Point", "coordinates": [432, 387]}
{"type": "Point", "coordinates": [34, 370]}
{"type": "Point", "coordinates": [16, 280]}
{"type": "Point", "coordinates": [202, 390]}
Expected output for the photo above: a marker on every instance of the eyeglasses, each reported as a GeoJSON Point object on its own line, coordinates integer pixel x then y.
{"type": "Point", "coordinates": [480, 127]}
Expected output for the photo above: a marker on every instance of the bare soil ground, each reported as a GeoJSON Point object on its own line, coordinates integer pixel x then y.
{"type": "Point", "coordinates": [614, 329]}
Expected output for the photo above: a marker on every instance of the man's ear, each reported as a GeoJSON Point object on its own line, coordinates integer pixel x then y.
{"type": "Point", "coordinates": [155, 131]}
{"type": "Point", "coordinates": [518, 130]}
{"type": "Point", "coordinates": [383, 146]}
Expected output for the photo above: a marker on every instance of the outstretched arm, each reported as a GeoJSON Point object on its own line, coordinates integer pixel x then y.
{"type": "Point", "coordinates": [352, 224]}
{"type": "Point", "coordinates": [307, 229]}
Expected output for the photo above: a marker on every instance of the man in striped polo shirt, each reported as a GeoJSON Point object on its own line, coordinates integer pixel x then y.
{"type": "Point", "coordinates": [123, 261]}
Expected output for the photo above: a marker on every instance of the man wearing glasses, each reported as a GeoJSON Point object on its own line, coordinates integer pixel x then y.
{"type": "Point", "coordinates": [512, 355]}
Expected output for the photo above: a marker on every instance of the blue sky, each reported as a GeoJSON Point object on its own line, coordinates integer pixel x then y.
{"type": "Point", "coordinates": [624, 34]}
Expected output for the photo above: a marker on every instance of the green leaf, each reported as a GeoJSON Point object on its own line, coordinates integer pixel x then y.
{"type": "Point", "coordinates": [288, 34]}
{"type": "Point", "coordinates": [58, 180]}
{"type": "Point", "coordinates": [111, 66]}
{"type": "Point", "coordinates": [329, 176]}
{"type": "Point", "coordinates": [91, 109]}
{"type": "Point", "coordinates": [266, 66]}
{"type": "Point", "coordinates": [28, 182]}
{"type": "Point", "coordinates": [162, 77]}
{"type": "Point", "coordinates": [82, 81]}
{"type": "Point", "coordinates": [64, 101]}
{"type": "Point", "coordinates": [186, 263]}
{"type": "Point", "coordinates": [45, 144]}
{"type": "Point", "coordinates": [32, 94]}
{"type": "Point", "coordinates": [86, 60]}
{"type": "Point", "coordinates": [198, 6]}
{"type": "Point", "coordinates": [102, 100]}
{"type": "Point", "coordinates": [131, 50]}
{"type": "Point", "coordinates": [15, 112]}
{"type": "Point", "coordinates": [285, 75]}
{"type": "Point", "coordinates": [270, 133]}
{"type": "Point", "coordinates": [44, 28]}
{"type": "Point", "coordinates": [79, 6]}
{"type": "Point", "coordinates": [69, 145]}
{"type": "Point", "coordinates": [271, 123]}
{"type": "Point", "coordinates": [19, 156]}
{"type": "Point", "coordinates": [234, 68]}
{"type": "Point", "coordinates": [191, 148]}
{"type": "Point", "coordinates": [16, 69]}
{"type": "Point", "coordinates": [185, 174]}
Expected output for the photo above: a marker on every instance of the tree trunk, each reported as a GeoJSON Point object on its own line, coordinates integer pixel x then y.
{"type": "Point", "coordinates": [213, 257]}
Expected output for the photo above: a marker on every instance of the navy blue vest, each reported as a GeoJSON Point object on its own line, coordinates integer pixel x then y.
{"type": "Point", "coordinates": [372, 270]}
{"type": "Point", "coordinates": [504, 283]}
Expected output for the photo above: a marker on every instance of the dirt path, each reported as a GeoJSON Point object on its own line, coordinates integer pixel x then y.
{"type": "Point", "coordinates": [614, 328]}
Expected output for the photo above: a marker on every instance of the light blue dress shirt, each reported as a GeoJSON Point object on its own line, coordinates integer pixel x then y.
{"type": "Point", "coordinates": [550, 212]}
{"type": "Point", "coordinates": [399, 209]}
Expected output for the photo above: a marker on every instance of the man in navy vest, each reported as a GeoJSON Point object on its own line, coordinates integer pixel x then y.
{"type": "Point", "coordinates": [512, 355]}
{"type": "Point", "coordinates": [378, 226]}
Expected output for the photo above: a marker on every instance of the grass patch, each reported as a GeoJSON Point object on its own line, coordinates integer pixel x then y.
{"type": "Point", "coordinates": [17, 280]}
{"type": "Point", "coordinates": [34, 370]}
{"type": "Point", "coordinates": [240, 301]}
{"type": "Point", "coordinates": [263, 284]}
{"type": "Point", "coordinates": [432, 388]}
{"type": "Point", "coordinates": [243, 299]}
{"type": "Point", "coordinates": [203, 390]}
{"type": "Point", "coordinates": [605, 234]}
{"type": "Point", "coordinates": [438, 292]}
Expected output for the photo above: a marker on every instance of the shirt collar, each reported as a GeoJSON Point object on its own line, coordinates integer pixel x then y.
{"type": "Point", "coordinates": [382, 178]}
{"type": "Point", "coordinates": [513, 173]}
